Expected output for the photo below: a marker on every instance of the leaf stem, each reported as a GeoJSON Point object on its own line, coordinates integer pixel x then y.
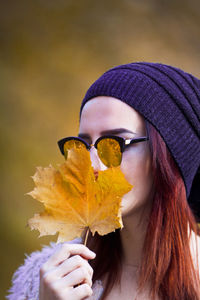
{"type": "Point", "coordinates": [86, 236]}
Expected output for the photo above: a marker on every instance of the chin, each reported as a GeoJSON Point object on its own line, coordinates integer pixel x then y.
{"type": "Point", "coordinates": [128, 208]}
{"type": "Point", "coordinates": [127, 212]}
{"type": "Point", "coordinates": [132, 205]}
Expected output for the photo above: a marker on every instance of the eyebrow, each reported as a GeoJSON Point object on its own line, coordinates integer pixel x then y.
{"type": "Point", "coordinates": [117, 131]}
{"type": "Point", "coordinates": [109, 132]}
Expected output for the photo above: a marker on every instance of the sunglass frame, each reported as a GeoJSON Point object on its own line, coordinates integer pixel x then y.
{"type": "Point", "coordinates": [124, 143]}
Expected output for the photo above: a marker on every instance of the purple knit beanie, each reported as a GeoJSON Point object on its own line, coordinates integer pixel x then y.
{"type": "Point", "coordinates": [169, 99]}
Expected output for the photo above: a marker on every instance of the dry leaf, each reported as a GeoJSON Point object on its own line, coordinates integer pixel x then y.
{"type": "Point", "coordinates": [75, 200]}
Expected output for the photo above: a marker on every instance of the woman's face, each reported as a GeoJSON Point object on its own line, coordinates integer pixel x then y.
{"type": "Point", "coordinates": [106, 115]}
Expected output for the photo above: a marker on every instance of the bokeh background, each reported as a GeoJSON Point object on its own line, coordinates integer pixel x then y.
{"type": "Point", "coordinates": [50, 52]}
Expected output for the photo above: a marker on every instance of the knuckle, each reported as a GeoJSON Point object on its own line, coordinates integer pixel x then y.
{"type": "Point", "coordinates": [83, 272]}
{"type": "Point", "coordinates": [47, 279]}
{"type": "Point", "coordinates": [87, 289]}
{"type": "Point", "coordinates": [83, 247]}
{"type": "Point", "coordinates": [91, 270]}
{"type": "Point", "coordinates": [78, 260]}
{"type": "Point", "coordinates": [65, 247]}
{"type": "Point", "coordinates": [83, 290]}
{"type": "Point", "coordinates": [90, 282]}
{"type": "Point", "coordinates": [88, 268]}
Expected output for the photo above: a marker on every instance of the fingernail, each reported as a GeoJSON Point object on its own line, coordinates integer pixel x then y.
{"type": "Point", "coordinates": [93, 253]}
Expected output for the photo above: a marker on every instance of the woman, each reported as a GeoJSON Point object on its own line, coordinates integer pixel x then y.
{"type": "Point", "coordinates": [155, 110]}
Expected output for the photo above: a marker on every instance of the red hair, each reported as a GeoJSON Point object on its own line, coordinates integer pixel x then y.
{"type": "Point", "coordinates": [167, 263]}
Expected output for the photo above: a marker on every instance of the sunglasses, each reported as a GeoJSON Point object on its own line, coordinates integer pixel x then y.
{"type": "Point", "coordinates": [109, 147]}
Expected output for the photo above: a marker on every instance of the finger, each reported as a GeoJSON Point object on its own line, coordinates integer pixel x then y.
{"type": "Point", "coordinates": [71, 249]}
{"type": "Point", "coordinates": [76, 277]}
{"type": "Point", "coordinates": [82, 291]}
{"type": "Point", "coordinates": [71, 264]}
{"type": "Point", "coordinates": [65, 252]}
{"type": "Point", "coordinates": [67, 267]}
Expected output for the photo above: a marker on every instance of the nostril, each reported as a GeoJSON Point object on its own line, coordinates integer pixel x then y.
{"type": "Point", "coordinates": [96, 174]}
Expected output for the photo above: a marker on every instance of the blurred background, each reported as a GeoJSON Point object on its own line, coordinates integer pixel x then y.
{"type": "Point", "coordinates": [50, 53]}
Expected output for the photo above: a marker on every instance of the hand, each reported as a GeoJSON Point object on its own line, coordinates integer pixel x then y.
{"type": "Point", "coordinates": [67, 275]}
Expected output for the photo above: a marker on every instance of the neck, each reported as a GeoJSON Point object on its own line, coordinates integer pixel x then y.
{"type": "Point", "coordinates": [133, 236]}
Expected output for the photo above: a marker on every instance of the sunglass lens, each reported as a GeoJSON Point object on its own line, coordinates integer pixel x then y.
{"type": "Point", "coordinates": [72, 144]}
{"type": "Point", "coordinates": [109, 152]}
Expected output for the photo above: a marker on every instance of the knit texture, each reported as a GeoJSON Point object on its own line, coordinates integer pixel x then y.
{"type": "Point", "coordinates": [168, 98]}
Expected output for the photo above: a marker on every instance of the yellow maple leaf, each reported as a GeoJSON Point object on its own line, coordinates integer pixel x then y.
{"type": "Point", "coordinates": [74, 199]}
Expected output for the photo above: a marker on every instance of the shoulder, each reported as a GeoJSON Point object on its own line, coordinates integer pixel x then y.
{"type": "Point", "coordinates": [25, 281]}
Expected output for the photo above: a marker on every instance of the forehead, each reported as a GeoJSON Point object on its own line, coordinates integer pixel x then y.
{"type": "Point", "coordinates": [104, 113]}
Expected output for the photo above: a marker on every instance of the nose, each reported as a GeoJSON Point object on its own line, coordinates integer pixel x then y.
{"type": "Point", "coordinates": [96, 162]}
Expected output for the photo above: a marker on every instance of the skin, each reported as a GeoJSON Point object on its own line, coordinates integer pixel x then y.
{"type": "Point", "coordinates": [67, 274]}
{"type": "Point", "coordinates": [99, 117]}
{"type": "Point", "coordinates": [68, 268]}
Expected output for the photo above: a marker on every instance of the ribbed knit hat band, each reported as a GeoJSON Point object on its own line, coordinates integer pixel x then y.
{"type": "Point", "coordinates": [168, 98]}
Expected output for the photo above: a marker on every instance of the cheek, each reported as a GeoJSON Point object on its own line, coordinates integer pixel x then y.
{"type": "Point", "coordinates": [136, 166]}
